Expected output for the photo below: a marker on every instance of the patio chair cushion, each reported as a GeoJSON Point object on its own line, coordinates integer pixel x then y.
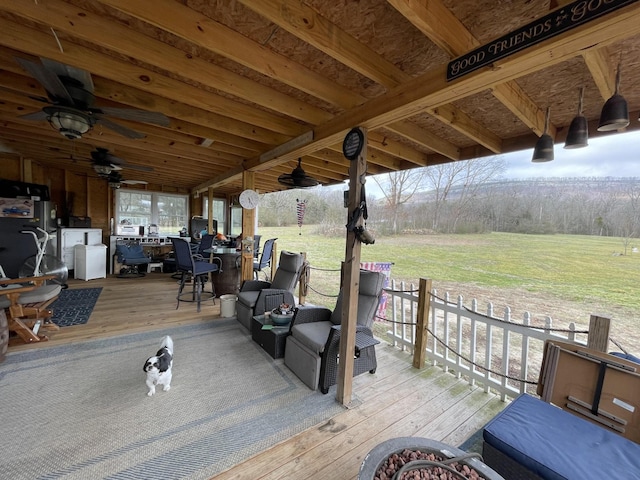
{"type": "Point", "coordinates": [368, 293]}
{"type": "Point", "coordinates": [313, 335]}
{"type": "Point", "coordinates": [131, 254]}
{"type": "Point", "coordinates": [556, 445]}
{"type": "Point", "coordinates": [249, 298]}
{"type": "Point", "coordinates": [37, 295]}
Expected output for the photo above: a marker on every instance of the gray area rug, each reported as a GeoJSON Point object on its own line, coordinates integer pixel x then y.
{"type": "Point", "coordinates": [81, 411]}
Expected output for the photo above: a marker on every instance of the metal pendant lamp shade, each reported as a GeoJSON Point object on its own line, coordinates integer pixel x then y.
{"type": "Point", "coordinates": [578, 134]}
{"type": "Point", "coordinates": [615, 113]}
{"type": "Point", "coordinates": [543, 151]}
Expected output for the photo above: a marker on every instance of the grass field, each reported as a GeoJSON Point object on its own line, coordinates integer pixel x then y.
{"type": "Point", "coordinates": [567, 277]}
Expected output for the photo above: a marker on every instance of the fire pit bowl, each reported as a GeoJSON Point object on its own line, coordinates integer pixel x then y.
{"type": "Point", "coordinates": [376, 457]}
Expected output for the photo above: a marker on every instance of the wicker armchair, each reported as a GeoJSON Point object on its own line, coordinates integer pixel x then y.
{"type": "Point", "coordinates": [257, 297]}
{"type": "Point", "coordinates": [313, 344]}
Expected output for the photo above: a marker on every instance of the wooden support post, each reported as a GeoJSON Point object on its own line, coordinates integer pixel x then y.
{"type": "Point", "coordinates": [210, 211]}
{"type": "Point", "coordinates": [303, 281]}
{"type": "Point", "coordinates": [248, 227]}
{"type": "Point", "coordinates": [424, 307]}
{"type": "Point", "coordinates": [274, 261]}
{"type": "Point", "coordinates": [351, 275]}
{"type": "Point", "coordinates": [599, 328]}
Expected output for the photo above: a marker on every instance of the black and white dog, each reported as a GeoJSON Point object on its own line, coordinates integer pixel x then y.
{"type": "Point", "coordinates": [158, 368]}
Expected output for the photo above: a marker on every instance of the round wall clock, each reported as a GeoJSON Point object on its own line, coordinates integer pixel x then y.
{"type": "Point", "coordinates": [352, 144]}
{"type": "Point", "coordinates": [249, 199]}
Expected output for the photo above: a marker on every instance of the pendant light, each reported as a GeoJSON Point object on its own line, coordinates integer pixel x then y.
{"type": "Point", "coordinates": [579, 129]}
{"type": "Point", "coordinates": [615, 113]}
{"type": "Point", "coordinates": [543, 151]}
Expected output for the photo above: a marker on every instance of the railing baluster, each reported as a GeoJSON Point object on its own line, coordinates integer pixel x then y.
{"type": "Point", "coordinates": [485, 330]}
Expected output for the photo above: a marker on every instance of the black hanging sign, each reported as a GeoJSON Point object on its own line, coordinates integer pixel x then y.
{"type": "Point", "coordinates": [353, 143]}
{"type": "Point", "coordinates": [552, 24]}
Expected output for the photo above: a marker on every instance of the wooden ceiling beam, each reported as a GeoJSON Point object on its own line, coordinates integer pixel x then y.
{"type": "Point", "coordinates": [250, 121]}
{"type": "Point", "coordinates": [308, 25]}
{"type": "Point", "coordinates": [602, 70]}
{"type": "Point", "coordinates": [432, 89]}
{"type": "Point", "coordinates": [442, 27]}
{"type": "Point", "coordinates": [378, 140]}
{"type": "Point", "coordinates": [206, 33]}
{"type": "Point", "coordinates": [14, 80]}
{"type": "Point", "coordinates": [91, 27]}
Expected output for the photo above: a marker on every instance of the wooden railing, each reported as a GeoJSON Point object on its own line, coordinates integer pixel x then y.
{"type": "Point", "coordinates": [502, 354]}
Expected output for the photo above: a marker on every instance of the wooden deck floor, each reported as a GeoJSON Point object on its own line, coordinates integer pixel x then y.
{"type": "Point", "coordinates": [397, 401]}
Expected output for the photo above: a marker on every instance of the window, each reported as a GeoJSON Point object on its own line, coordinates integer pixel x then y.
{"type": "Point", "coordinates": [169, 212]}
{"type": "Point", "coordinates": [219, 205]}
{"type": "Point", "coordinates": [236, 220]}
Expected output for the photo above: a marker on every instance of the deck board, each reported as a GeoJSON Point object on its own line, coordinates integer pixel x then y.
{"type": "Point", "coordinates": [398, 400]}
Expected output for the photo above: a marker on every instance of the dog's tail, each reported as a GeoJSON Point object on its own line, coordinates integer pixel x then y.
{"type": "Point", "coordinates": [167, 342]}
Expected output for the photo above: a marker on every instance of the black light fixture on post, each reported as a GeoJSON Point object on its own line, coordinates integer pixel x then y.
{"type": "Point", "coordinates": [615, 113]}
{"type": "Point", "coordinates": [543, 151]}
{"type": "Point", "coordinates": [578, 134]}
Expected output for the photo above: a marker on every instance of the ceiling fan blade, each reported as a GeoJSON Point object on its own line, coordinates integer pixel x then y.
{"type": "Point", "coordinates": [48, 79]}
{"type": "Point", "coordinates": [136, 115]}
{"type": "Point", "coordinates": [62, 70]}
{"type": "Point", "coordinates": [134, 182]}
{"type": "Point", "coordinates": [121, 129]}
{"type": "Point", "coordinates": [36, 116]}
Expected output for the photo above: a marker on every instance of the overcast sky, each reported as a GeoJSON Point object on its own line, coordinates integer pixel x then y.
{"type": "Point", "coordinates": [615, 155]}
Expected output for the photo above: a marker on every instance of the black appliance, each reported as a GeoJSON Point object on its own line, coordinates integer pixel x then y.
{"type": "Point", "coordinates": [16, 247]}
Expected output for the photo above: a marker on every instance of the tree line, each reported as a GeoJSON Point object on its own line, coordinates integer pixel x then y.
{"type": "Point", "coordinates": [472, 197]}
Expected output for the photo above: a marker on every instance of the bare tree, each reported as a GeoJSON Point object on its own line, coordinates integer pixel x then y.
{"type": "Point", "coordinates": [462, 182]}
{"type": "Point", "coordinates": [398, 188]}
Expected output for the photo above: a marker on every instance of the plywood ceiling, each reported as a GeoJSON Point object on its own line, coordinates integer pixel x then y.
{"type": "Point", "coordinates": [251, 76]}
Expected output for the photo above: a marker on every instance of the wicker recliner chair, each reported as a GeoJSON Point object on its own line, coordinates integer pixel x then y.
{"type": "Point", "coordinates": [312, 347]}
{"type": "Point", "coordinates": [257, 297]}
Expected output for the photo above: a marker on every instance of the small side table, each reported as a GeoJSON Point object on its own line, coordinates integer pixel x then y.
{"type": "Point", "coordinates": [272, 340]}
{"type": "Point", "coordinates": [153, 265]}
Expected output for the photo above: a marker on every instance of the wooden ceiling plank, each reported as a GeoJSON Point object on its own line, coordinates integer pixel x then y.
{"type": "Point", "coordinates": [207, 33]}
{"type": "Point", "coordinates": [53, 148]}
{"type": "Point", "coordinates": [378, 140]}
{"type": "Point", "coordinates": [307, 24]}
{"type": "Point", "coordinates": [157, 142]}
{"type": "Point", "coordinates": [463, 123]}
{"type": "Point", "coordinates": [437, 22]}
{"type": "Point", "coordinates": [425, 138]}
{"type": "Point", "coordinates": [94, 28]}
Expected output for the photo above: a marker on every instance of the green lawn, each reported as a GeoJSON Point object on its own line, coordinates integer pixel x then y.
{"type": "Point", "coordinates": [571, 267]}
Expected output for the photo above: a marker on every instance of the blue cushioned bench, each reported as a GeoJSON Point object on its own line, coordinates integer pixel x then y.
{"type": "Point", "coordinates": [531, 440]}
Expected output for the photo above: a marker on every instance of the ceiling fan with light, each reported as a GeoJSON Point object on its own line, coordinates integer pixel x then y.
{"type": "Point", "coordinates": [70, 97]}
{"type": "Point", "coordinates": [104, 163]}
{"type": "Point", "coordinates": [116, 181]}
{"type": "Point", "coordinates": [297, 178]}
